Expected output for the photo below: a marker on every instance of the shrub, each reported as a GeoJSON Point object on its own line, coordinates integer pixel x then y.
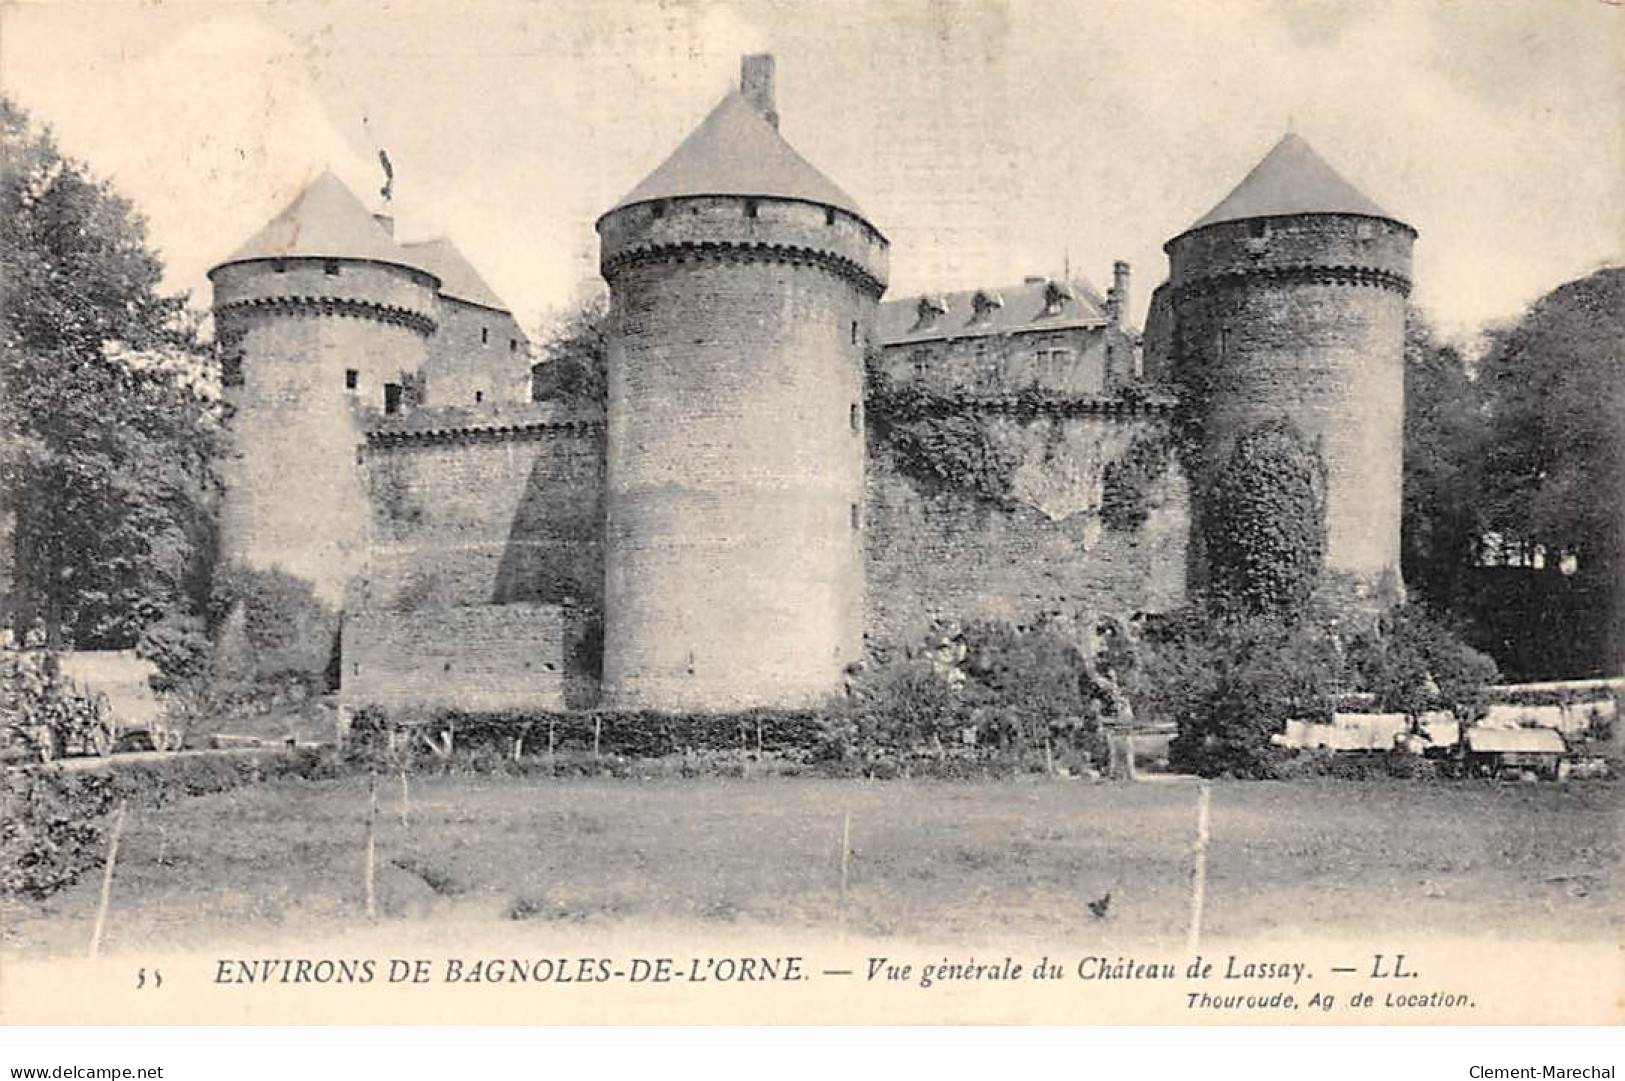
{"type": "Point", "coordinates": [271, 632]}
{"type": "Point", "coordinates": [1412, 663]}
{"type": "Point", "coordinates": [1264, 523]}
{"type": "Point", "coordinates": [1230, 682]}
{"type": "Point", "coordinates": [178, 644]}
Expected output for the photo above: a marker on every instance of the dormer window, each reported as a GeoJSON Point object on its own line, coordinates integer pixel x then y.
{"type": "Point", "coordinates": [1056, 295]}
{"type": "Point", "coordinates": [927, 310]}
{"type": "Point", "coordinates": [984, 304]}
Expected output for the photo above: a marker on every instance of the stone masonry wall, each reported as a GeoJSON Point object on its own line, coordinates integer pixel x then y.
{"type": "Point", "coordinates": [735, 480]}
{"type": "Point", "coordinates": [295, 339]}
{"type": "Point", "coordinates": [477, 356]}
{"type": "Point", "coordinates": [481, 658]}
{"type": "Point", "coordinates": [1304, 318]}
{"type": "Point", "coordinates": [948, 555]}
{"type": "Point", "coordinates": [507, 509]}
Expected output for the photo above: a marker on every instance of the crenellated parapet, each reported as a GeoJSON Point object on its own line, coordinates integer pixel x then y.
{"type": "Point", "coordinates": [539, 420]}
{"type": "Point", "coordinates": [322, 306]}
{"type": "Point", "coordinates": [743, 230]}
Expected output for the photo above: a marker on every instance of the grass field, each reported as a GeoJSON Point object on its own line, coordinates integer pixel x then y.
{"type": "Point", "coordinates": [953, 861]}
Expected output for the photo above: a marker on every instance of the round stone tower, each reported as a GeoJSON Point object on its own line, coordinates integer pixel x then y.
{"type": "Point", "coordinates": [1289, 297]}
{"type": "Point", "coordinates": [743, 295]}
{"type": "Point", "coordinates": [320, 321]}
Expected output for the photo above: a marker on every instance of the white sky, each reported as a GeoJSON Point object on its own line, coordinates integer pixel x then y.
{"type": "Point", "coordinates": [987, 139]}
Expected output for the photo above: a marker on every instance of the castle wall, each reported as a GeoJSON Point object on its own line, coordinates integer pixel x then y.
{"type": "Point", "coordinates": [505, 510]}
{"type": "Point", "coordinates": [945, 554]}
{"type": "Point", "coordinates": [1307, 321]}
{"type": "Point", "coordinates": [477, 658]}
{"type": "Point", "coordinates": [478, 356]}
{"type": "Point", "coordinates": [735, 472]}
{"type": "Point", "coordinates": [294, 496]}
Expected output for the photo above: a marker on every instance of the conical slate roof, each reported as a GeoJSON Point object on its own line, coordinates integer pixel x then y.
{"type": "Point", "coordinates": [735, 151]}
{"type": "Point", "coordinates": [458, 278]}
{"type": "Point", "coordinates": [1292, 179]}
{"type": "Point", "coordinates": [326, 220]}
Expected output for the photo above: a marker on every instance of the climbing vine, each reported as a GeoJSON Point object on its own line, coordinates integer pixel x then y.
{"type": "Point", "coordinates": [1264, 526]}
{"type": "Point", "coordinates": [1128, 481]}
{"type": "Point", "coordinates": [935, 441]}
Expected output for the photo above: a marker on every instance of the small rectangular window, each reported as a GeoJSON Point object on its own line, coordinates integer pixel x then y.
{"type": "Point", "coordinates": [392, 398]}
{"type": "Point", "coordinates": [513, 345]}
{"type": "Point", "coordinates": [352, 378]}
{"type": "Point", "coordinates": [1258, 229]}
{"type": "Point", "coordinates": [485, 335]}
{"type": "Point", "coordinates": [750, 208]}
{"type": "Point", "coordinates": [479, 396]}
{"type": "Point", "coordinates": [331, 268]}
{"type": "Point", "coordinates": [829, 216]}
{"type": "Point", "coordinates": [852, 415]}
{"type": "Point", "coordinates": [854, 332]}
{"type": "Point", "coordinates": [854, 512]}
{"type": "Point", "coordinates": [279, 266]}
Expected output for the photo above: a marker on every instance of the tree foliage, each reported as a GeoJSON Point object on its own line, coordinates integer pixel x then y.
{"type": "Point", "coordinates": [1264, 523]}
{"type": "Point", "coordinates": [574, 368]}
{"type": "Point", "coordinates": [1553, 463]}
{"type": "Point", "coordinates": [108, 428]}
{"type": "Point", "coordinates": [1444, 437]}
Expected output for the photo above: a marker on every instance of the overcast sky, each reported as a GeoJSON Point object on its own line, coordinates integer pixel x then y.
{"type": "Point", "coordinates": [987, 139]}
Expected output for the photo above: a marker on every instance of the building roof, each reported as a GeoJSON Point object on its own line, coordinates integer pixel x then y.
{"type": "Point", "coordinates": [1017, 309]}
{"type": "Point", "coordinates": [326, 220]}
{"type": "Point", "coordinates": [1292, 179]}
{"type": "Point", "coordinates": [735, 151]}
{"type": "Point", "coordinates": [458, 278]}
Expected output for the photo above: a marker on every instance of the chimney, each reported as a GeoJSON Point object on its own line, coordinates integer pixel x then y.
{"type": "Point", "coordinates": [386, 222]}
{"type": "Point", "coordinates": [1117, 299]}
{"type": "Point", "coordinates": [756, 84]}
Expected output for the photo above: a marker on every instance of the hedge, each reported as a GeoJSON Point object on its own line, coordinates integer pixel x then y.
{"type": "Point", "coordinates": [52, 820]}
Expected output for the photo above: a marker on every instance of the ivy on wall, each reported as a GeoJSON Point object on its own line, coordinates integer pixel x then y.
{"type": "Point", "coordinates": [1264, 526]}
{"type": "Point", "coordinates": [1128, 481]}
{"type": "Point", "coordinates": [934, 441]}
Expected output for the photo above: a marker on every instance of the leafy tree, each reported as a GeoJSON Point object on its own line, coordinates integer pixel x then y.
{"type": "Point", "coordinates": [1553, 466]}
{"type": "Point", "coordinates": [1230, 681]}
{"type": "Point", "coordinates": [272, 631]}
{"type": "Point", "coordinates": [108, 429]}
{"type": "Point", "coordinates": [574, 368]}
{"type": "Point", "coordinates": [1444, 437]}
{"type": "Point", "coordinates": [1264, 525]}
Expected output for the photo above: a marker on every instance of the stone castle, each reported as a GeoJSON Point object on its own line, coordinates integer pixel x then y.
{"type": "Point", "coordinates": [729, 531]}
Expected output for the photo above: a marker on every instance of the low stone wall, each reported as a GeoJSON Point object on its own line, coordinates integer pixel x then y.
{"type": "Point", "coordinates": [476, 658]}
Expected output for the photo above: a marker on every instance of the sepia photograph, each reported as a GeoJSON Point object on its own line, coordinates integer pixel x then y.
{"type": "Point", "coordinates": [752, 512]}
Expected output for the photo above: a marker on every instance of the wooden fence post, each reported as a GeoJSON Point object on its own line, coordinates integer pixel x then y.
{"type": "Point", "coordinates": [372, 848]}
{"type": "Point", "coordinates": [846, 850]}
{"type": "Point", "coordinates": [107, 880]}
{"type": "Point", "coordinates": [1199, 872]}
